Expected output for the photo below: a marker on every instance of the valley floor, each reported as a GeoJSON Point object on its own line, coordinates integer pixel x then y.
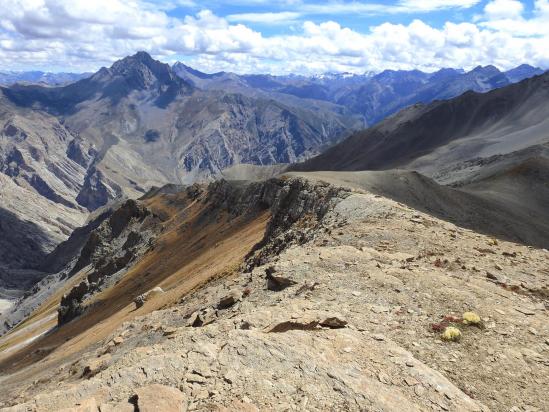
{"type": "Point", "coordinates": [346, 321]}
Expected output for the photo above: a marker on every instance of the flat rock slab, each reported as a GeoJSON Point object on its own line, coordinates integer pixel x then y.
{"type": "Point", "coordinates": [160, 398]}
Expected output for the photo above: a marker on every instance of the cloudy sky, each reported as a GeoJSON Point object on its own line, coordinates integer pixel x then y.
{"type": "Point", "coordinates": [300, 36]}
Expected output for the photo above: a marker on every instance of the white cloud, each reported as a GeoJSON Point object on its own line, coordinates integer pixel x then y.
{"type": "Point", "coordinates": [506, 16]}
{"type": "Point", "coordinates": [401, 6]}
{"type": "Point", "coordinates": [430, 5]}
{"type": "Point", "coordinates": [82, 35]}
{"type": "Point", "coordinates": [282, 17]}
{"type": "Point", "coordinates": [504, 9]}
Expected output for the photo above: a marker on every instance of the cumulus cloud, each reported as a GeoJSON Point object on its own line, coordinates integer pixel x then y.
{"type": "Point", "coordinates": [504, 9]}
{"type": "Point", "coordinates": [83, 35]}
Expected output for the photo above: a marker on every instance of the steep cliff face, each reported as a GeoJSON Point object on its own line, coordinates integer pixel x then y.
{"type": "Point", "coordinates": [295, 205]}
{"type": "Point", "coordinates": [42, 170]}
{"type": "Point", "coordinates": [110, 250]}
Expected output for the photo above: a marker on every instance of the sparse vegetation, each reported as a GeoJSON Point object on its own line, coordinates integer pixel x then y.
{"type": "Point", "coordinates": [471, 318]}
{"type": "Point", "coordinates": [451, 334]}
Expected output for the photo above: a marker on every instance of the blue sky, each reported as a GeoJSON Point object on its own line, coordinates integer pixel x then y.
{"type": "Point", "coordinates": [250, 36]}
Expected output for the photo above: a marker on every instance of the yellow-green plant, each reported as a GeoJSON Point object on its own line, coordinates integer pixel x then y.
{"type": "Point", "coordinates": [451, 334]}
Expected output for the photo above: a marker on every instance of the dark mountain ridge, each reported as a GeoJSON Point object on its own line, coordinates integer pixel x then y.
{"type": "Point", "coordinates": [420, 129]}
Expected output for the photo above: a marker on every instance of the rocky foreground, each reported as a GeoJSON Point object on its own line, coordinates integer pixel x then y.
{"type": "Point", "coordinates": [337, 309]}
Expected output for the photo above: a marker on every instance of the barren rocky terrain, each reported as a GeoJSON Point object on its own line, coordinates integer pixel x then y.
{"type": "Point", "coordinates": [335, 308]}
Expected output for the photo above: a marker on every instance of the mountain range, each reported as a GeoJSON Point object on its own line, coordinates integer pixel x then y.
{"type": "Point", "coordinates": [38, 77]}
{"type": "Point", "coordinates": [141, 123]}
{"type": "Point", "coordinates": [373, 96]}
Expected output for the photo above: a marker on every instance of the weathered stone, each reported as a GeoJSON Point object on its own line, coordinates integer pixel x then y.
{"type": "Point", "coordinates": [333, 322]}
{"type": "Point", "coordinates": [277, 282]}
{"type": "Point", "coordinates": [95, 365]}
{"type": "Point", "coordinates": [230, 299]}
{"type": "Point", "coordinates": [202, 317]}
{"type": "Point", "coordinates": [141, 299]}
{"type": "Point", "coordinates": [160, 398]}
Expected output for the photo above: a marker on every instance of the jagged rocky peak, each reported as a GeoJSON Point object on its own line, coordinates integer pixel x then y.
{"type": "Point", "coordinates": [522, 72]}
{"type": "Point", "coordinates": [490, 69]}
{"type": "Point", "coordinates": [144, 71]}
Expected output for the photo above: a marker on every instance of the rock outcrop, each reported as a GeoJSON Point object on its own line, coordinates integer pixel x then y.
{"type": "Point", "coordinates": [126, 235]}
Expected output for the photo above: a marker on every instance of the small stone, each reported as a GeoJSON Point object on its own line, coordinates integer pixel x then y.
{"type": "Point", "coordinates": [87, 405]}
{"type": "Point", "coordinates": [355, 293]}
{"type": "Point", "coordinates": [409, 363]}
{"type": "Point", "coordinates": [443, 406]}
{"type": "Point", "coordinates": [199, 393]}
{"type": "Point", "coordinates": [95, 365]}
{"type": "Point", "coordinates": [195, 378]}
{"type": "Point", "coordinates": [168, 331]}
{"type": "Point", "coordinates": [202, 318]}
{"type": "Point", "coordinates": [533, 331]}
{"type": "Point", "coordinates": [378, 337]}
{"type": "Point", "coordinates": [525, 311]}
{"type": "Point", "coordinates": [333, 322]}
{"type": "Point", "coordinates": [118, 340]}
{"type": "Point", "coordinates": [380, 309]}
{"type": "Point", "coordinates": [419, 390]}
{"type": "Point", "coordinates": [383, 378]}
{"type": "Point", "coordinates": [496, 278]}
{"type": "Point", "coordinates": [230, 376]}
{"type": "Point", "coordinates": [118, 407]}
{"type": "Point", "coordinates": [230, 299]}
{"type": "Point", "coordinates": [410, 381]}
{"type": "Point", "coordinates": [277, 282]}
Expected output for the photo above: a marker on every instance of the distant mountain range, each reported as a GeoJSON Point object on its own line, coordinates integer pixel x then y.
{"type": "Point", "coordinates": [373, 96]}
{"type": "Point", "coordinates": [39, 77]}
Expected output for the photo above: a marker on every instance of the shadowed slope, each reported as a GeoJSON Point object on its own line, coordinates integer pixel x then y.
{"type": "Point", "coordinates": [429, 137]}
